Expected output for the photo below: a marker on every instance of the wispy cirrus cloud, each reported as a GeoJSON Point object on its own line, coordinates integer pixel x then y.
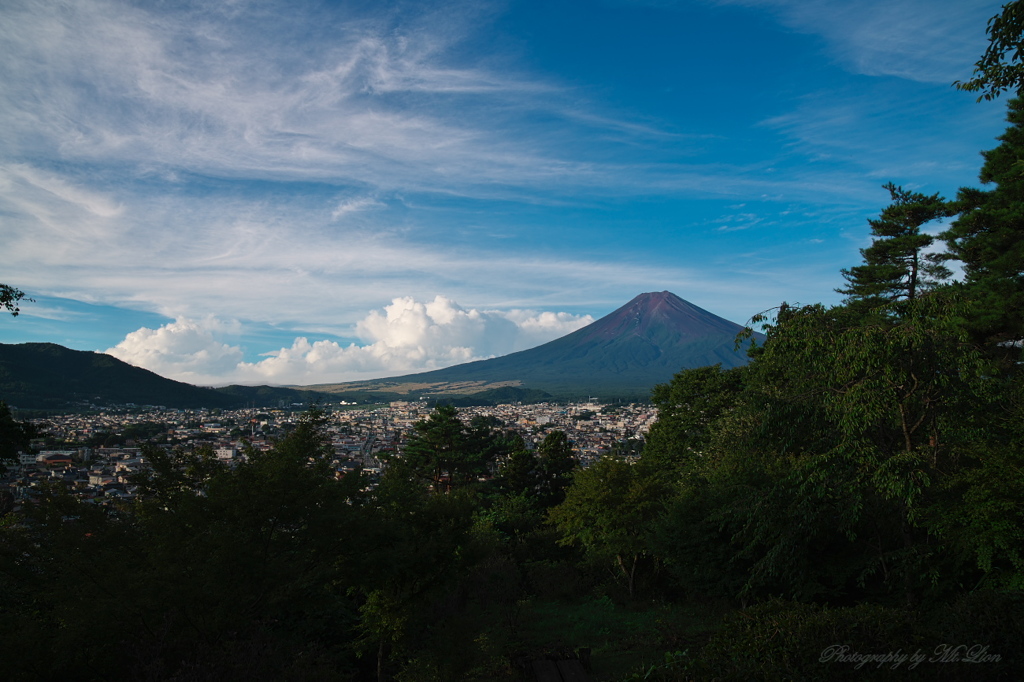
{"type": "Point", "coordinates": [865, 135]}
{"type": "Point", "coordinates": [107, 81]}
{"type": "Point", "coordinates": [891, 37]}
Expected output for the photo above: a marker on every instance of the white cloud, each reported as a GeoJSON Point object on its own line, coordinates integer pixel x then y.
{"type": "Point", "coordinates": [536, 328]}
{"type": "Point", "coordinates": [892, 37]}
{"type": "Point", "coordinates": [48, 217]}
{"type": "Point", "coordinates": [56, 313]}
{"type": "Point", "coordinates": [58, 188]}
{"type": "Point", "coordinates": [738, 221]}
{"type": "Point", "coordinates": [186, 350]}
{"type": "Point", "coordinates": [354, 206]}
{"type": "Point", "coordinates": [260, 94]}
{"type": "Point", "coordinates": [408, 336]}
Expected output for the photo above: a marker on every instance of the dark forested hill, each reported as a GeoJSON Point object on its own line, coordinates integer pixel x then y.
{"type": "Point", "coordinates": [48, 376]}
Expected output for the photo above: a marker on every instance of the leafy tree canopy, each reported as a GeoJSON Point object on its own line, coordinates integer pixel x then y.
{"type": "Point", "coordinates": [1001, 68]}
{"type": "Point", "coordinates": [446, 452]}
{"type": "Point", "coordinates": [14, 435]}
{"type": "Point", "coordinates": [688, 406]}
{"type": "Point", "coordinates": [609, 510]}
{"type": "Point", "coordinates": [10, 297]}
{"type": "Point", "coordinates": [556, 462]}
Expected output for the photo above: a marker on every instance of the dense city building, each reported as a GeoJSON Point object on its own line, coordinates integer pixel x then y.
{"type": "Point", "coordinates": [94, 455]}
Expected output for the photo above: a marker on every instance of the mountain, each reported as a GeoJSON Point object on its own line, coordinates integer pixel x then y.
{"type": "Point", "coordinates": [622, 355]}
{"type": "Point", "coordinates": [48, 376]}
{"type": "Point", "coordinates": [45, 376]}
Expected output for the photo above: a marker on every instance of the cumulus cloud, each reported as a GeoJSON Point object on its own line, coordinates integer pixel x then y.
{"type": "Point", "coordinates": [186, 350]}
{"type": "Point", "coordinates": [405, 337]}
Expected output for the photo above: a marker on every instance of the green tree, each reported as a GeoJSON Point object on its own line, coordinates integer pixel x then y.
{"type": "Point", "coordinates": [988, 239]}
{"type": "Point", "coordinates": [15, 436]}
{"type": "Point", "coordinates": [688, 407]}
{"type": "Point", "coordinates": [447, 453]}
{"type": "Point", "coordinates": [842, 464]}
{"type": "Point", "coordinates": [896, 267]}
{"type": "Point", "coordinates": [10, 297]}
{"type": "Point", "coordinates": [171, 475]}
{"type": "Point", "coordinates": [519, 471]}
{"type": "Point", "coordinates": [854, 428]}
{"type": "Point", "coordinates": [984, 519]}
{"type": "Point", "coordinates": [610, 509]}
{"type": "Point", "coordinates": [694, 538]}
{"type": "Point", "coordinates": [555, 463]}
{"type": "Point", "coordinates": [214, 573]}
{"type": "Point", "coordinates": [1001, 68]}
{"type": "Point", "coordinates": [415, 554]}
{"type": "Point", "coordinates": [437, 446]}
{"type": "Point", "coordinates": [488, 443]}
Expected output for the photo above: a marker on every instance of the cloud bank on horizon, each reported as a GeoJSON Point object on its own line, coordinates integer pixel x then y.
{"type": "Point", "coordinates": [304, 192]}
{"type": "Point", "coordinates": [409, 336]}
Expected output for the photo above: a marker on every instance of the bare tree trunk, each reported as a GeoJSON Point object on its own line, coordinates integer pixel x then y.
{"type": "Point", "coordinates": [629, 573]}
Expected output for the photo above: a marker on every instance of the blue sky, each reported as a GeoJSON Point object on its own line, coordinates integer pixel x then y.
{"type": "Point", "coordinates": [307, 192]}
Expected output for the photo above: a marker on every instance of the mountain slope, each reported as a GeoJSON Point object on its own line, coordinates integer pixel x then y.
{"type": "Point", "coordinates": [45, 375]}
{"type": "Point", "coordinates": [624, 354]}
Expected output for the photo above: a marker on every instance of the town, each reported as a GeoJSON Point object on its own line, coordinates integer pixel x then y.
{"type": "Point", "coordinates": [94, 455]}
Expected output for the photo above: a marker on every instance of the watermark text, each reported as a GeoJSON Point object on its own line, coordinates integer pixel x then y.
{"type": "Point", "coordinates": [893, 660]}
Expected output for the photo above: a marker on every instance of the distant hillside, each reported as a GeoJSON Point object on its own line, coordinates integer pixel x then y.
{"type": "Point", "coordinates": [504, 395]}
{"type": "Point", "coordinates": [272, 396]}
{"type": "Point", "coordinates": [45, 376]}
{"type": "Point", "coordinates": [48, 376]}
{"type": "Point", "coordinates": [622, 355]}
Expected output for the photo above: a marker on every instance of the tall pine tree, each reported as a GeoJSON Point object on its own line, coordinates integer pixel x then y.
{"type": "Point", "coordinates": [988, 238]}
{"type": "Point", "coordinates": [896, 267]}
